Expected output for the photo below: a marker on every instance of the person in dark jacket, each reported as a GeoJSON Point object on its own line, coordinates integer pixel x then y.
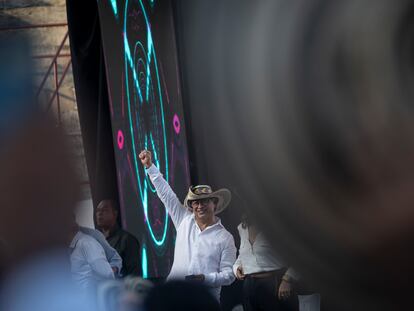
{"type": "Point", "coordinates": [124, 242]}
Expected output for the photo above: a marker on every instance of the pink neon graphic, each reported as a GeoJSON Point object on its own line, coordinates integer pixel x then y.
{"type": "Point", "coordinates": [177, 124]}
{"type": "Point", "coordinates": [120, 140]}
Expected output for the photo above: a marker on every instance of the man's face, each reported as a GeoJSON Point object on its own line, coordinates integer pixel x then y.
{"type": "Point", "coordinates": [105, 215]}
{"type": "Point", "coordinates": [204, 209]}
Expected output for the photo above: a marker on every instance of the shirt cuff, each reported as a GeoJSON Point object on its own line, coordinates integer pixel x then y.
{"type": "Point", "coordinates": [210, 278]}
{"type": "Point", "coordinates": [235, 268]}
{"type": "Point", "coordinates": [152, 170]}
{"type": "Point", "coordinates": [292, 274]}
{"type": "Point", "coordinates": [118, 271]}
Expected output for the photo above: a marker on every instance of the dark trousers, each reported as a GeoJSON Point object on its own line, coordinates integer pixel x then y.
{"type": "Point", "coordinates": [261, 294]}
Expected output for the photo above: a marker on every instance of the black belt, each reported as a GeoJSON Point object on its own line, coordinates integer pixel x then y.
{"type": "Point", "coordinates": [262, 275]}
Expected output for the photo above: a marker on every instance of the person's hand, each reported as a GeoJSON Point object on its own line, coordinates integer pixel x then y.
{"type": "Point", "coordinates": [199, 278]}
{"type": "Point", "coordinates": [115, 270]}
{"type": "Point", "coordinates": [146, 158]}
{"type": "Point", "coordinates": [239, 273]}
{"type": "Point", "coordinates": [285, 290]}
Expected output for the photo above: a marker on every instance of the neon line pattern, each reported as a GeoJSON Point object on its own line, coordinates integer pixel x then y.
{"type": "Point", "coordinates": [141, 68]}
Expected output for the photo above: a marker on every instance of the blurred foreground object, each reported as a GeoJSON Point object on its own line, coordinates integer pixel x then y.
{"type": "Point", "coordinates": [180, 295]}
{"type": "Point", "coordinates": [38, 193]}
{"type": "Point", "coordinates": [16, 89]}
{"type": "Point", "coordinates": [135, 292]}
{"type": "Point", "coordinates": [313, 109]}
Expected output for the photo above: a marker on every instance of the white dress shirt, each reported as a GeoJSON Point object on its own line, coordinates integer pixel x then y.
{"type": "Point", "coordinates": [257, 257]}
{"type": "Point", "coordinates": [211, 252]}
{"type": "Point", "coordinates": [88, 261]}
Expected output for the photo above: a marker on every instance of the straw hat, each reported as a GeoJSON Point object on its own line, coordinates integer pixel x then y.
{"type": "Point", "coordinates": [204, 192]}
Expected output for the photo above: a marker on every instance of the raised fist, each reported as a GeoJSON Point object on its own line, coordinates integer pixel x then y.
{"type": "Point", "coordinates": [146, 158]}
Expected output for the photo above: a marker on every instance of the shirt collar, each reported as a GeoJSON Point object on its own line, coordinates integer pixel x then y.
{"type": "Point", "coordinates": [75, 239]}
{"type": "Point", "coordinates": [217, 223]}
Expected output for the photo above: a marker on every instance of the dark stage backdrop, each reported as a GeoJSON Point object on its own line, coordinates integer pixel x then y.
{"type": "Point", "coordinates": [92, 97]}
{"type": "Point", "coordinates": [146, 112]}
{"type": "Point", "coordinates": [139, 122]}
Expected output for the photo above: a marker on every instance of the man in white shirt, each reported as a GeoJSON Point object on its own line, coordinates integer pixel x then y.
{"type": "Point", "coordinates": [89, 264]}
{"type": "Point", "coordinates": [114, 259]}
{"type": "Point", "coordinates": [204, 249]}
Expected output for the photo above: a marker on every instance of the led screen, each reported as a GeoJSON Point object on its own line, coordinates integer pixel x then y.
{"type": "Point", "coordinates": [147, 113]}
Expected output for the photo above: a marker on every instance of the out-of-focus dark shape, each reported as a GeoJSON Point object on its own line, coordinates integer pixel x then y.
{"type": "Point", "coordinates": [108, 295]}
{"type": "Point", "coordinates": [313, 121]}
{"type": "Point", "coordinates": [37, 182]}
{"type": "Point", "coordinates": [178, 295]}
{"type": "Point", "coordinates": [126, 294]}
{"type": "Point", "coordinates": [38, 189]}
{"type": "Point", "coordinates": [135, 292]}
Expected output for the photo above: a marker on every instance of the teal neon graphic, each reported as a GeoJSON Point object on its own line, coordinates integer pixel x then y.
{"type": "Point", "coordinates": [114, 7]}
{"type": "Point", "coordinates": [141, 69]}
{"type": "Point", "coordinates": [144, 263]}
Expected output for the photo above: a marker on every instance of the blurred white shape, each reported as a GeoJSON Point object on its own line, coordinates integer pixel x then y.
{"type": "Point", "coordinates": [238, 308]}
{"type": "Point", "coordinates": [84, 214]}
{"type": "Point", "coordinates": [44, 284]}
{"type": "Point", "coordinates": [310, 302]}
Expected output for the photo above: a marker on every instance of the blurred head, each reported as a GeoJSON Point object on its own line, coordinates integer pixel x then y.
{"type": "Point", "coordinates": [38, 187]}
{"type": "Point", "coordinates": [135, 291]}
{"type": "Point", "coordinates": [106, 214]}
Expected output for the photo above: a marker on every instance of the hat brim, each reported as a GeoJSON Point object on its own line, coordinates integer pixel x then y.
{"type": "Point", "coordinates": [223, 196]}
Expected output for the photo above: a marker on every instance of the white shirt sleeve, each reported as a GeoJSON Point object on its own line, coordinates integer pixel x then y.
{"type": "Point", "coordinates": [225, 276]}
{"type": "Point", "coordinates": [293, 274]}
{"type": "Point", "coordinates": [167, 196]}
{"type": "Point", "coordinates": [236, 265]}
{"type": "Point", "coordinates": [111, 254]}
{"type": "Point", "coordinates": [238, 262]}
{"type": "Point", "coordinates": [95, 256]}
